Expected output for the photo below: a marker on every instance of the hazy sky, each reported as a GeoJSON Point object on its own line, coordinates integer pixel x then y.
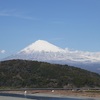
{"type": "Point", "coordinates": [73, 24]}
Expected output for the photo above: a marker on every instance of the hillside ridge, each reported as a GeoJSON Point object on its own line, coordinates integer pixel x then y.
{"type": "Point", "coordinates": [34, 74]}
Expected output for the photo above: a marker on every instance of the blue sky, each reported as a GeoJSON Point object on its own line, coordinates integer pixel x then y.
{"type": "Point", "coordinates": [73, 24]}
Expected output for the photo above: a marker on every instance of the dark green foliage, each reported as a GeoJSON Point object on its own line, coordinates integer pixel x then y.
{"type": "Point", "coordinates": [33, 74]}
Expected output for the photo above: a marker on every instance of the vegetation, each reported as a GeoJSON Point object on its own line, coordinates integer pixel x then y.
{"type": "Point", "coordinates": [33, 74]}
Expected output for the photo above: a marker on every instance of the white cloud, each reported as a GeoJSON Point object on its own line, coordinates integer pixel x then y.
{"type": "Point", "coordinates": [14, 13]}
{"type": "Point", "coordinates": [2, 51]}
{"type": "Point", "coordinates": [7, 12]}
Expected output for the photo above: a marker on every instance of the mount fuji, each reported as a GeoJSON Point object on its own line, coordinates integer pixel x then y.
{"type": "Point", "coordinates": [44, 51]}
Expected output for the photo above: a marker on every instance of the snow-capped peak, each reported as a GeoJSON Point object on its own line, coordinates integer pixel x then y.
{"type": "Point", "coordinates": [44, 51]}
{"type": "Point", "coordinates": [41, 45]}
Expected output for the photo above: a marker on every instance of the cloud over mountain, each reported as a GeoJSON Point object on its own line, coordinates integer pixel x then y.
{"type": "Point", "coordinates": [2, 51]}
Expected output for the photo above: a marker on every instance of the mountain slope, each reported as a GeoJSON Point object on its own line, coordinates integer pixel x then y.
{"type": "Point", "coordinates": [22, 73]}
{"type": "Point", "coordinates": [44, 51]}
{"type": "Point", "coordinates": [40, 46]}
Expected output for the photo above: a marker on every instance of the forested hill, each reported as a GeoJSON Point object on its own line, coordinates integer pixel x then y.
{"type": "Point", "coordinates": [33, 74]}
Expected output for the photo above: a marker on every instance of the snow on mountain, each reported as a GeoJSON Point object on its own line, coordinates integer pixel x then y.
{"type": "Point", "coordinates": [44, 51]}
{"type": "Point", "coordinates": [40, 46]}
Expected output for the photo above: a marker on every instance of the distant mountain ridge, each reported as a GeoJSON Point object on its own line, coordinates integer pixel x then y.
{"type": "Point", "coordinates": [44, 51]}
